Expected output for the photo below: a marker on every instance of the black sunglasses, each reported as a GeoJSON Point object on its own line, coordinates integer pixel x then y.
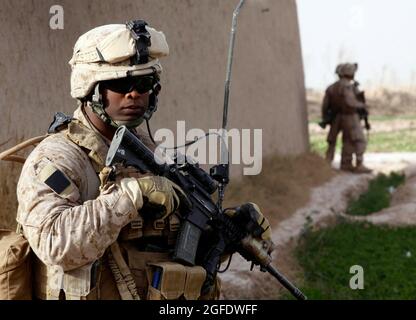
{"type": "Point", "coordinates": [141, 84]}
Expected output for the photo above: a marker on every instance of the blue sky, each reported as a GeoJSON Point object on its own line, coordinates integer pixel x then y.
{"type": "Point", "coordinates": [377, 34]}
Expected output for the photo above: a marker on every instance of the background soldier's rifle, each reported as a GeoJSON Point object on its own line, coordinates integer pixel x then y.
{"type": "Point", "coordinates": [363, 113]}
{"type": "Point", "coordinates": [327, 118]}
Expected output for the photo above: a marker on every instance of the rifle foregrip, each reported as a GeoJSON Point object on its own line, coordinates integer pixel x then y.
{"type": "Point", "coordinates": [187, 243]}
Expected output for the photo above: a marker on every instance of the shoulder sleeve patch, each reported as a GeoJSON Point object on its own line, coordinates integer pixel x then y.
{"type": "Point", "coordinates": [56, 180]}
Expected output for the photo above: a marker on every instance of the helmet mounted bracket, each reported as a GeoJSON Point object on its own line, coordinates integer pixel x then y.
{"type": "Point", "coordinates": [142, 39]}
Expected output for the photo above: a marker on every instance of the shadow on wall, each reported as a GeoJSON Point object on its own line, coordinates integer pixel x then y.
{"type": "Point", "coordinates": [9, 175]}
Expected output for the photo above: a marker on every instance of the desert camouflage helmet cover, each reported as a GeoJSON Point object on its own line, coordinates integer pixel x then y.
{"type": "Point", "coordinates": [347, 69]}
{"type": "Point", "coordinates": [105, 53]}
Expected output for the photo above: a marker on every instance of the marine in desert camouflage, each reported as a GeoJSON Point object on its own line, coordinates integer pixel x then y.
{"type": "Point", "coordinates": [342, 101]}
{"type": "Point", "coordinates": [86, 227]}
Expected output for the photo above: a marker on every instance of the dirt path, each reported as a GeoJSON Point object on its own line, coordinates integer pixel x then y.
{"type": "Point", "coordinates": [238, 283]}
{"type": "Point", "coordinates": [386, 162]}
{"type": "Point", "coordinates": [328, 200]}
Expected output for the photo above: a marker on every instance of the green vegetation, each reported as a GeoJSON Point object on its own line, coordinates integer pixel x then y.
{"type": "Point", "coordinates": [377, 196]}
{"type": "Point", "coordinates": [398, 141]}
{"type": "Point", "coordinates": [392, 117]}
{"type": "Point", "coordinates": [387, 256]}
{"type": "Point", "coordinates": [319, 144]}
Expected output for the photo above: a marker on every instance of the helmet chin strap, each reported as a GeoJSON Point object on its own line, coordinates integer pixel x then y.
{"type": "Point", "coordinates": [97, 106]}
{"type": "Point", "coordinates": [130, 124]}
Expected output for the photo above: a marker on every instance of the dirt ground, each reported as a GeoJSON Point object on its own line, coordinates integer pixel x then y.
{"type": "Point", "coordinates": [283, 185]}
{"type": "Point", "coordinates": [327, 203]}
{"type": "Point", "coordinates": [283, 188]}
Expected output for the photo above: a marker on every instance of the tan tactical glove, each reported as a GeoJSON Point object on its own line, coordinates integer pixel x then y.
{"type": "Point", "coordinates": [154, 196]}
{"type": "Point", "coordinates": [250, 216]}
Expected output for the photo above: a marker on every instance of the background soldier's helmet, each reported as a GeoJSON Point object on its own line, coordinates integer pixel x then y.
{"type": "Point", "coordinates": [347, 69]}
{"type": "Point", "coordinates": [116, 51]}
{"type": "Point", "coordinates": [338, 69]}
{"type": "Point", "coordinates": [109, 52]}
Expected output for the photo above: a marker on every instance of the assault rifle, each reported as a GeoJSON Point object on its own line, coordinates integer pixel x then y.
{"type": "Point", "coordinates": [363, 113]}
{"type": "Point", "coordinates": [203, 217]}
{"type": "Point", "coordinates": [327, 118]}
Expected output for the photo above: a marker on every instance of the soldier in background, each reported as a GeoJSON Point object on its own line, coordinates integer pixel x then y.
{"type": "Point", "coordinates": [344, 106]}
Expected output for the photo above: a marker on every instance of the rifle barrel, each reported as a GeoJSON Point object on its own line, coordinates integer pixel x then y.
{"type": "Point", "coordinates": [286, 283]}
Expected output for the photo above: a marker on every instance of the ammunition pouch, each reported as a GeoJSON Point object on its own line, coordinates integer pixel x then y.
{"type": "Point", "coordinates": [176, 281]}
{"type": "Point", "coordinates": [167, 228]}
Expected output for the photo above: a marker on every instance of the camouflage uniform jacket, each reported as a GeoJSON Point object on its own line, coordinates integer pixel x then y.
{"type": "Point", "coordinates": [67, 220]}
{"type": "Point", "coordinates": [341, 97]}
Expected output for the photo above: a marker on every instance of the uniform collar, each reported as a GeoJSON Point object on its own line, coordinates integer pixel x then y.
{"type": "Point", "coordinates": [85, 135]}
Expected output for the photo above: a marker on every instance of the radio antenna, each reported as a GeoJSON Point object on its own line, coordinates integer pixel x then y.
{"type": "Point", "coordinates": [221, 172]}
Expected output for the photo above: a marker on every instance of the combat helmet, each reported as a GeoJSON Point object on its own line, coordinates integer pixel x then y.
{"type": "Point", "coordinates": [338, 69]}
{"type": "Point", "coordinates": [347, 69]}
{"type": "Point", "coordinates": [117, 51]}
